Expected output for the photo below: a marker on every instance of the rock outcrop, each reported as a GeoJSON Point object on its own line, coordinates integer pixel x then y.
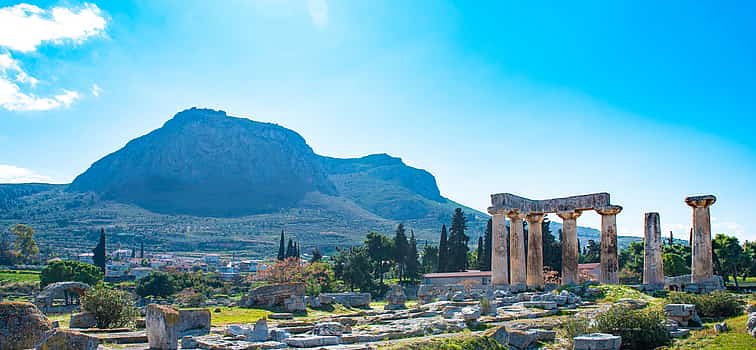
{"type": "Point", "coordinates": [22, 326]}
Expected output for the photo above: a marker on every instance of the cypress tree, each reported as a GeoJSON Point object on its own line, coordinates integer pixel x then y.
{"type": "Point", "coordinates": [413, 264]}
{"type": "Point", "coordinates": [458, 242]}
{"type": "Point", "coordinates": [401, 250]}
{"type": "Point", "coordinates": [281, 250]}
{"type": "Point", "coordinates": [480, 258]}
{"type": "Point", "coordinates": [99, 251]}
{"type": "Point", "coordinates": [443, 251]}
{"type": "Point", "coordinates": [290, 249]}
{"type": "Point", "coordinates": [487, 246]}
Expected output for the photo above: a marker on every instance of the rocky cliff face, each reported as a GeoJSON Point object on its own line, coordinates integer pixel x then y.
{"type": "Point", "coordinates": [206, 163]}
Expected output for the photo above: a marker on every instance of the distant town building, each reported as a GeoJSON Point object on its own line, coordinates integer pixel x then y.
{"type": "Point", "coordinates": [121, 254]}
{"type": "Point", "coordinates": [116, 272]}
{"type": "Point", "coordinates": [86, 258]}
{"type": "Point", "coordinates": [139, 272]}
{"type": "Point", "coordinates": [212, 259]}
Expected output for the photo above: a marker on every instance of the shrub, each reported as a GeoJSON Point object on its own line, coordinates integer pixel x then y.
{"type": "Point", "coordinates": [574, 326]}
{"type": "Point", "coordinates": [716, 304]}
{"type": "Point", "coordinates": [70, 270]}
{"type": "Point", "coordinates": [159, 284]}
{"type": "Point", "coordinates": [112, 308]}
{"type": "Point", "coordinates": [639, 329]}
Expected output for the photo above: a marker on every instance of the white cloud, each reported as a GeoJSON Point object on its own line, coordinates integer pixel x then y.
{"type": "Point", "coordinates": [13, 174]}
{"type": "Point", "coordinates": [23, 28]}
{"type": "Point", "coordinates": [318, 13]}
{"type": "Point", "coordinates": [96, 90]}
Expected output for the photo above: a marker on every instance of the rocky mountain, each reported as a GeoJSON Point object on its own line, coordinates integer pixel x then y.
{"type": "Point", "coordinates": [206, 180]}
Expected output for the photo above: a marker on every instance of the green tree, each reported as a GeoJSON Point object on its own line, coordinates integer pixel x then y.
{"type": "Point", "coordinates": [25, 242]}
{"type": "Point", "coordinates": [591, 252]}
{"type": "Point", "coordinates": [413, 264]}
{"type": "Point", "coordinates": [728, 257]}
{"type": "Point", "coordinates": [70, 270]}
{"type": "Point", "coordinates": [381, 252]}
{"type": "Point", "coordinates": [631, 258]}
{"type": "Point", "coordinates": [281, 249]}
{"type": "Point", "coordinates": [487, 247]}
{"type": "Point", "coordinates": [316, 255]}
{"type": "Point", "coordinates": [401, 251]}
{"type": "Point", "coordinates": [457, 242]}
{"type": "Point", "coordinates": [443, 252]}
{"type": "Point", "coordinates": [112, 308]}
{"type": "Point", "coordinates": [99, 252]}
{"type": "Point", "coordinates": [430, 259]}
{"type": "Point", "coordinates": [552, 249]}
{"type": "Point", "coordinates": [674, 265]}
{"type": "Point", "coordinates": [353, 267]}
{"type": "Point", "coordinates": [480, 254]}
{"type": "Point", "coordinates": [749, 252]}
{"type": "Point", "coordinates": [159, 284]}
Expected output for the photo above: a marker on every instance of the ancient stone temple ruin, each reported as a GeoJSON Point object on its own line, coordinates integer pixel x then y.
{"type": "Point", "coordinates": [512, 269]}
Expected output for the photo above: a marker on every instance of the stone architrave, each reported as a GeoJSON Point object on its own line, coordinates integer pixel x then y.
{"type": "Point", "coordinates": [653, 269]}
{"type": "Point", "coordinates": [570, 249]}
{"type": "Point", "coordinates": [609, 262]}
{"type": "Point", "coordinates": [517, 267]}
{"type": "Point", "coordinates": [701, 257]}
{"type": "Point", "coordinates": [499, 256]}
{"type": "Point", "coordinates": [535, 250]}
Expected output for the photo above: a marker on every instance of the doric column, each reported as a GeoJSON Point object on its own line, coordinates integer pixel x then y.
{"type": "Point", "coordinates": [499, 256]}
{"type": "Point", "coordinates": [701, 259]}
{"type": "Point", "coordinates": [570, 249]}
{"type": "Point", "coordinates": [535, 250]}
{"type": "Point", "coordinates": [653, 269]}
{"type": "Point", "coordinates": [609, 261]}
{"type": "Point", "coordinates": [518, 272]}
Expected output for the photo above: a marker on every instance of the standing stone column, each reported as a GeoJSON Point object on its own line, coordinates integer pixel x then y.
{"type": "Point", "coordinates": [499, 256]}
{"type": "Point", "coordinates": [701, 259]}
{"type": "Point", "coordinates": [609, 261]}
{"type": "Point", "coordinates": [570, 249]}
{"type": "Point", "coordinates": [518, 272]}
{"type": "Point", "coordinates": [535, 250]}
{"type": "Point", "coordinates": [653, 269]}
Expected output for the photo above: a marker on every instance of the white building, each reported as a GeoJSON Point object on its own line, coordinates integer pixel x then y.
{"type": "Point", "coordinates": [86, 258]}
{"type": "Point", "coordinates": [121, 254]}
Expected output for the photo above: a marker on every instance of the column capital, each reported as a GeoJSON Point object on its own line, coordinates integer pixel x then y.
{"type": "Point", "coordinates": [569, 215]}
{"type": "Point", "coordinates": [700, 201]}
{"type": "Point", "coordinates": [609, 210]}
{"type": "Point", "coordinates": [515, 214]}
{"type": "Point", "coordinates": [534, 218]}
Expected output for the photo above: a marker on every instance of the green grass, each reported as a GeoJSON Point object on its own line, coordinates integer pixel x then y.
{"type": "Point", "coordinates": [735, 339]}
{"type": "Point", "coordinates": [612, 293]}
{"type": "Point", "coordinates": [14, 276]}
{"type": "Point", "coordinates": [233, 314]}
{"type": "Point", "coordinates": [63, 319]}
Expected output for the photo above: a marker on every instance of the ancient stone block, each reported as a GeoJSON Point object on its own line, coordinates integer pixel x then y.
{"type": "Point", "coordinates": [328, 328]}
{"type": "Point", "coordinates": [499, 334]}
{"type": "Point", "coordinates": [295, 303]}
{"type": "Point", "coordinates": [195, 321]}
{"type": "Point", "coordinates": [22, 325]}
{"type": "Point", "coordinates": [395, 298]}
{"type": "Point", "coordinates": [272, 294]}
{"type": "Point", "coordinates": [684, 314]}
{"type": "Point", "coordinates": [162, 327]}
{"type": "Point", "coordinates": [522, 339]}
{"type": "Point", "coordinates": [61, 339]}
{"type": "Point", "coordinates": [311, 341]}
{"type": "Point", "coordinates": [82, 320]}
{"type": "Point", "coordinates": [751, 325]}
{"type": "Point", "coordinates": [597, 341]}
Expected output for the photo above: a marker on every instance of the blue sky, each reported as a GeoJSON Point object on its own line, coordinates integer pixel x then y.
{"type": "Point", "coordinates": [650, 102]}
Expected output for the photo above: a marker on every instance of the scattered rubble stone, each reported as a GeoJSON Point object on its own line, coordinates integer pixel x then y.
{"type": "Point", "coordinates": [82, 320]}
{"type": "Point", "coordinates": [61, 339]}
{"type": "Point", "coordinates": [597, 341]}
{"type": "Point", "coordinates": [751, 325]}
{"type": "Point", "coordinates": [328, 328]}
{"type": "Point", "coordinates": [311, 341]}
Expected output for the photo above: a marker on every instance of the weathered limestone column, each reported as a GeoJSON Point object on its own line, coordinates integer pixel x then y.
{"type": "Point", "coordinates": [517, 269]}
{"type": "Point", "coordinates": [701, 259]}
{"type": "Point", "coordinates": [653, 269]}
{"type": "Point", "coordinates": [570, 249]}
{"type": "Point", "coordinates": [499, 256]}
{"type": "Point", "coordinates": [609, 261]}
{"type": "Point", "coordinates": [535, 250]}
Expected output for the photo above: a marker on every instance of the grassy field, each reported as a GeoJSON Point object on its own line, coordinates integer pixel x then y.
{"type": "Point", "coordinates": [233, 314]}
{"type": "Point", "coordinates": [12, 276]}
{"type": "Point", "coordinates": [735, 339]}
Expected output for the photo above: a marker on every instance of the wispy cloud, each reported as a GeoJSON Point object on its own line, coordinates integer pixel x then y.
{"type": "Point", "coordinates": [96, 90]}
{"type": "Point", "coordinates": [318, 13]}
{"type": "Point", "coordinates": [23, 28]}
{"type": "Point", "coordinates": [13, 174]}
